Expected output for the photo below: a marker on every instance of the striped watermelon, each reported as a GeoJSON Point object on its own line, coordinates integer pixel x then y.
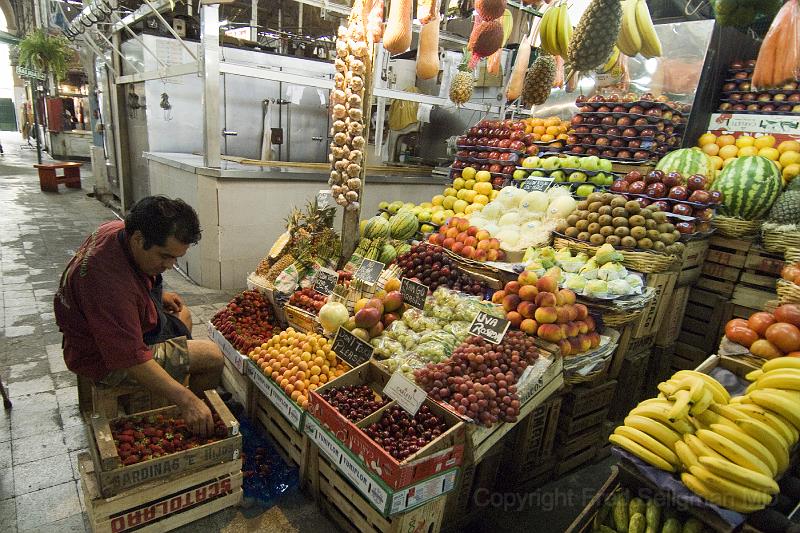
{"type": "Point", "coordinates": [687, 161]}
{"type": "Point", "coordinates": [376, 228]}
{"type": "Point", "coordinates": [403, 226]}
{"type": "Point", "coordinates": [749, 185]}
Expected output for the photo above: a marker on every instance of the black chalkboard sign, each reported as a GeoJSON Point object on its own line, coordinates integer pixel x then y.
{"type": "Point", "coordinates": [351, 349]}
{"type": "Point", "coordinates": [325, 281]}
{"type": "Point", "coordinates": [491, 328]}
{"type": "Point", "coordinates": [414, 293]}
{"type": "Point", "coordinates": [369, 271]}
{"type": "Point", "coordinates": [537, 183]}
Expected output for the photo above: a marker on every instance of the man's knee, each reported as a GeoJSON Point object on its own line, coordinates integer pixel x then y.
{"type": "Point", "coordinates": [205, 356]}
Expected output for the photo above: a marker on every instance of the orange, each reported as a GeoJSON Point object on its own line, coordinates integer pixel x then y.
{"type": "Point", "coordinates": [765, 141]}
{"type": "Point", "coordinates": [539, 130]}
{"type": "Point", "coordinates": [711, 149]}
{"type": "Point", "coordinates": [725, 140]}
{"type": "Point", "coordinates": [745, 140]}
{"type": "Point", "coordinates": [552, 130]}
{"type": "Point", "coordinates": [728, 151]}
{"type": "Point", "coordinates": [706, 138]}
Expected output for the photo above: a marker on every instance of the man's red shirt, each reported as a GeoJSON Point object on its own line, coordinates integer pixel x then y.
{"type": "Point", "coordinates": [103, 306]}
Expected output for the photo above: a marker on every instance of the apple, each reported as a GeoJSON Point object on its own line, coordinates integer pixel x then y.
{"type": "Point", "coordinates": [703, 214]}
{"type": "Point", "coordinates": [679, 192]}
{"type": "Point", "coordinates": [661, 205]}
{"type": "Point", "coordinates": [637, 187]}
{"type": "Point", "coordinates": [700, 196]}
{"type": "Point", "coordinates": [672, 179]}
{"type": "Point", "coordinates": [682, 209]}
{"type": "Point", "coordinates": [656, 190]}
{"type": "Point", "coordinates": [686, 228]}
{"type": "Point", "coordinates": [696, 182]}
{"type": "Point", "coordinates": [716, 197]}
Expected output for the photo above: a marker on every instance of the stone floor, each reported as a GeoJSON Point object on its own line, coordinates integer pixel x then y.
{"type": "Point", "coordinates": [42, 435]}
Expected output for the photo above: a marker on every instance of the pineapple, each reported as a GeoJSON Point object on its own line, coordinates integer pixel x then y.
{"type": "Point", "coordinates": [463, 84]}
{"type": "Point", "coordinates": [595, 35]}
{"type": "Point", "coordinates": [539, 80]}
{"type": "Point", "coordinates": [786, 209]}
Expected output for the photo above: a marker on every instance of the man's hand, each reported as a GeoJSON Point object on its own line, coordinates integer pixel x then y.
{"type": "Point", "coordinates": [197, 415]}
{"type": "Point", "coordinates": [172, 302]}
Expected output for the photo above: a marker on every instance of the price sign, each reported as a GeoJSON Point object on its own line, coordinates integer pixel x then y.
{"type": "Point", "coordinates": [406, 393]}
{"type": "Point", "coordinates": [351, 349]}
{"type": "Point", "coordinates": [414, 293]}
{"type": "Point", "coordinates": [325, 281]}
{"type": "Point", "coordinates": [491, 328]}
{"type": "Point", "coordinates": [369, 271]}
{"type": "Point", "coordinates": [537, 183]}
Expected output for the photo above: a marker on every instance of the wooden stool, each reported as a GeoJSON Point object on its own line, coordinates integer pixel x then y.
{"type": "Point", "coordinates": [108, 401]}
{"type": "Point", "coordinates": [49, 181]}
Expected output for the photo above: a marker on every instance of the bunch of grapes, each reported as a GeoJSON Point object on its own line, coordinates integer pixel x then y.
{"type": "Point", "coordinates": [308, 299]}
{"type": "Point", "coordinates": [246, 322]}
{"type": "Point", "coordinates": [432, 267]}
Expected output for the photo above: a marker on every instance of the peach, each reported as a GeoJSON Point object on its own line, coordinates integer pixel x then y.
{"type": "Point", "coordinates": [546, 315]}
{"type": "Point", "coordinates": [440, 238]}
{"type": "Point", "coordinates": [526, 277]}
{"type": "Point", "coordinates": [582, 310]}
{"type": "Point", "coordinates": [545, 299]}
{"type": "Point", "coordinates": [452, 233]}
{"type": "Point", "coordinates": [448, 243]}
{"type": "Point", "coordinates": [559, 299]}
{"type": "Point", "coordinates": [470, 241]}
{"type": "Point", "coordinates": [511, 302]}
{"type": "Point", "coordinates": [497, 297]}
{"type": "Point", "coordinates": [468, 251]}
{"type": "Point", "coordinates": [562, 314]}
{"type": "Point", "coordinates": [462, 224]}
{"type": "Point", "coordinates": [512, 287]}
{"type": "Point", "coordinates": [515, 319]}
{"type": "Point", "coordinates": [575, 343]}
{"type": "Point", "coordinates": [573, 330]}
{"type": "Point", "coordinates": [527, 309]}
{"type": "Point", "coordinates": [529, 326]}
{"type": "Point", "coordinates": [594, 337]}
{"type": "Point", "coordinates": [583, 326]}
{"type": "Point", "coordinates": [501, 255]}
{"type": "Point", "coordinates": [483, 235]}
{"type": "Point", "coordinates": [461, 236]}
{"type": "Point", "coordinates": [569, 296]}
{"type": "Point", "coordinates": [472, 231]}
{"type": "Point", "coordinates": [495, 244]}
{"type": "Point", "coordinates": [492, 255]}
{"type": "Point", "coordinates": [590, 325]}
{"type": "Point", "coordinates": [573, 313]}
{"type": "Point", "coordinates": [565, 346]}
{"type": "Point", "coordinates": [528, 293]}
{"type": "Point", "coordinates": [457, 247]}
{"type": "Point", "coordinates": [376, 303]}
{"type": "Point", "coordinates": [433, 237]}
{"type": "Point", "coordinates": [586, 343]}
{"type": "Point", "coordinates": [547, 284]}
{"type": "Point", "coordinates": [480, 255]}
{"type": "Point", "coordinates": [549, 332]}
{"type": "Point", "coordinates": [484, 245]}
{"type": "Point", "coordinates": [564, 330]}
{"type": "Point", "coordinates": [443, 229]}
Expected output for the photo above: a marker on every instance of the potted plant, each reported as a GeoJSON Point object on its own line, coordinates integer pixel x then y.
{"type": "Point", "coordinates": [48, 53]}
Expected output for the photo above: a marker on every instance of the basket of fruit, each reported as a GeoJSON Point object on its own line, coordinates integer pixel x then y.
{"type": "Point", "coordinates": [735, 228]}
{"type": "Point", "coordinates": [788, 291]}
{"type": "Point", "coordinates": [778, 239]}
{"type": "Point", "coordinates": [646, 262]}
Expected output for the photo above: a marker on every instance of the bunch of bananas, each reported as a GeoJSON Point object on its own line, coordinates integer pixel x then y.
{"type": "Point", "coordinates": [555, 30]}
{"type": "Point", "coordinates": [638, 35]}
{"type": "Point", "coordinates": [727, 450]}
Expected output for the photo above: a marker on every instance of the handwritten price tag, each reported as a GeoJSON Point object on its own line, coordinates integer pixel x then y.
{"type": "Point", "coordinates": [407, 394]}
{"type": "Point", "coordinates": [351, 349]}
{"type": "Point", "coordinates": [414, 293]}
{"type": "Point", "coordinates": [491, 328]}
{"type": "Point", "coordinates": [325, 281]}
{"type": "Point", "coordinates": [369, 271]}
{"type": "Point", "coordinates": [535, 183]}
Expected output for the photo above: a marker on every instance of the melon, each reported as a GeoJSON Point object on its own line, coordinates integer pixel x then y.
{"type": "Point", "coordinates": [377, 228]}
{"type": "Point", "coordinates": [403, 226]}
{"type": "Point", "coordinates": [687, 161]}
{"type": "Point", "coordinates": [749, 185]}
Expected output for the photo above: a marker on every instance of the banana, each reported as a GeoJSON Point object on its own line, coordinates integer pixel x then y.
{"type": "Point", "coordinates": [666, 436]}
{"type": "Point", "coordinates": [754, 375]}
{"type": "Point", "coordinates": [611, 61]}
{"type": "Point", "coordinates": [629, 40]}
{"type": "Point", "coordinates": [734, 472]}
{"type": "Point", "coordinates": [737, 436]}
{"type": "Point", "coordinates": [791, 395]}
{"type": "Point", "coordinates": [728, 488]}
{"type": "Point", "coordinates": [773, 420]}
{"type": "Point", "coordinates": [727, 412]}
{"type": "Point", "coordinates": [699, 448]}
{"type": "Point", "coordinates": [701, 489]}
{"type": "Point", "coordinates": [651, 45]}
{"type": "Point", "coordinates": [667, 388]}
{"type": "Point", "coordinates": [709, 417]}
{"type": "Point", "coordinates": [778, 403]}
{"type": "Point", "coordinates": [720, 394]}
{"type": "Point", "coordinates": [655, 401]}
{"type": "Point", "coordinates": [704, 403]}
{"type": "Point", "coordinates": [548, 29]}
{"type": "Point", "coordinates": [564, 30]}
{"type": "Point", "coordinates": [686, 455]}
{"type": "Point", "coordinates": [660, 411]}
{"type": "Point", "coordinates": [648, 442]}
{"type": "Point", "coordinates": [779, 381]}
{"type": "Point", "coordinates": [733, 451]}
{"type": "Point", "coordinates": [681, 406]}
{"type": "Point", "coordinates": [641, 452]}
{"type": "Point", "coordinates": [770, 438]}
{"type": "Point", "coordinates": [781, 362]}
{"type": "Point", "coordinates": [695, 386]}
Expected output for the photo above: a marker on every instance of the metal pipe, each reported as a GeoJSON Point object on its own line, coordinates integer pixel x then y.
{"type": "Point", "coordinates": [254, 20]}
{"type": "Point", "coordinates": [91, 44]}
{"type": "Point", "coordinates": [209, 40]}
{"type": "Point", "coordinates": [140, 41]}
{"type": "Point", "coordinates": [119, 53]}
{"type": "Point", "coordinates": [172, 31]}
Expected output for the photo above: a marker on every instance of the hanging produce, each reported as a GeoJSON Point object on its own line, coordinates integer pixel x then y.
{"type": "Point", "coordinates": [462, 85]}
{"type": "Point", "coordinates": [539, 81]}
{"type": "Point", "coordinates": [428, 49]}
{"type": "Point", "coordinates": [515, 81]}
{"type": "Point", "coordinates": [638, 35]}
{"type": "Point", "coordinates": [347, 147]}
{"type": "Point", "coordinates": [742, 13]}
{"type": "Point", "coordinates": [778, 58]}
{"type": "Point", "coordinates": [490, 9]}
{"type": "Point", "coordinates": [558, 80]}
{"type": "Point", "coordinates": [595, 35]}
{"type": "Point", "coordinates": [373, 15]}
{"type": "Point", "coordinates": [556, 30]}
{"type": "Point", "coordinates": [426, 9]}
{"type": "Point", "coordinates": [486, 38]}
{"type": "Point", "coordinates": [397, 38]}
{"type": "Point", "coordinates": [493, 63]}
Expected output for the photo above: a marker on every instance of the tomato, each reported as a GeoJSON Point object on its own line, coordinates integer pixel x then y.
{"type": "Point", "coordinates": [764, 348]}
{"type": "Point", "coordinates": [759, 322]}
{"type": "Point", "coordinates": [735, 323]}
{"type": "Point", "coordinates": [785, 336]}
{"type": "Point", "coordinates": [788, 313]}
{"type": "Point", "coordinates": [792, 354]}
{"type": "Point", "coordinates": [741, 335]}
{"type": "Point", "coordinates": [790, 272]}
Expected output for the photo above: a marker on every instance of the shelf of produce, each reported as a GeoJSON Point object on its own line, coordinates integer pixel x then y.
{"type": "Point", "coordinates": [236, 358]}
{"type": "Point", "coordinates": [160, 505]}
{"type": "Point", "coordinates": [288, 440]}
{"type": "Point", "coordinates": [113, 476]}
{"type": "Point", "coordinates": [302, 320]}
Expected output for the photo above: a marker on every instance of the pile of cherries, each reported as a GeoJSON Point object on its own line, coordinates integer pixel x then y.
{"type": "Point", "coordinates": [355, 402]}
{"type": "Point", "coordinates": [402, 435]}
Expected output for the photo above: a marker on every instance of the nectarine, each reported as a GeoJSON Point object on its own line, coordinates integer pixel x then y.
{"type": "Point", "coordinates": [511, 302]}
{"type": "Point", "coordinates": [529, 326]}
{"type": "Point", "coordinates": [527, 277]}
{"type": "Point", "coordinates": [545, 299]}
{"type": "Point", "coordinates": [528, 293]}
{"type": "Point", "coordinates": [547, 284]}
{"type": "Point", "coordinates": [549, 332]}
{"type": "Point", "coordinates": [546, 315]}
{"type": "Point", "coordinates": [512, 287]}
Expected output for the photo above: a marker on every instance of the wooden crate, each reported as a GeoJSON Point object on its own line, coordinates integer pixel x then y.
{"type": "Point", "coordinates": [670, 326]}
{"type": "Point", "coordinates": [687, 357]}
{"type": "Point", "coordinates": [160, 505]}
{"type": "Point", "coordinates": [238, 384]}
{"type": "Point", "coordinates": [653, 314]}
{"type": "Point", "coordinates": [724, 262]}
{"type": "Point", "coordinates": [302, 320]}
{"type": "Point", "coordinates": [658, 368]}
{"type": "Point", "coordinates": [628, 344]}
{"type": "Point", "coordinates": [580, 450]}
{"type": "Point", "coordinates": [114, 477]}
{"type": "Point", "coordinates": [704, 319]}
{"type": "Point", "coordinates": [582, 400]}
{"type": "Point", "coordinates": [288, 441]}
{"type": "Point", "coordinates": [533, 441]}
{"type": "Point", "coordinates": [603, 445]}
{"type": "Point", "coordinates": [691, 262]}
{"type": "Point", "coordinates": [571, 425]}
{"type": "Point", "coordinates": [630, 384]}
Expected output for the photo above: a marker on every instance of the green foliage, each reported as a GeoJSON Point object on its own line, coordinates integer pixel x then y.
{"type": "Point", "coordinates": [48, 53]}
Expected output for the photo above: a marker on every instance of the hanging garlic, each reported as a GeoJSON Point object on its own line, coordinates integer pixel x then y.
{"type": "Point", "coordinates": [341, 165]}
{"type": "Point", "coordinates": [356, 66]}
{"type": "Point", "coordinates": [358, 142]}
{"type": "Point", "coordinates": [354, 206]}
{"type": "Point", "coordinates": [339, 80]}
{"type": "Point", "coordinates": [341, 66]}
{"type": "Point", "coordinates": [340, 138]}
{"type": "Point", "coordinates": [354, 184]}
{"type": "Point", "coordinates": [355, 156]}
{"type": "Point", "coordinates": [339, 125]}
{"type": "Point", "coordinates": [356, 83]}
{"type": "Point", "coordinates": [353, 170]}
{"type": "Point", "coordinates": [338, 96]}
{"type": "Point", "coordinates": [351, 196]}
{"type": "Point", "coordinates": [355, 128]}
{"type": "Point", "coordinates": [355, 113]}
{"type": "Point", "coordinates": [354, 101]}
{"type": "Point", "coordinates": [341, 200]}
{"type": "Point", "coordinates": [335, 176]}
{"type": "Point", "coordinates": [336, 190]}
{"type": "Point", "coordinates": [339, 111]}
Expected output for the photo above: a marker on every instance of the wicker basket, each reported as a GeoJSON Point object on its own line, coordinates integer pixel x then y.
{"type": "Point", "coordinates": [788, 292]}
{"type": "Point", "coordinates": [618, 319]}
{"type": "Point", "coordinates": [735, 227]}
{"type": "Point", "coordinates": [780, 241]}
{"type": "Point", "coordinates": [792, 255]}
{"type": "Point", "coordinates": [646, 262]}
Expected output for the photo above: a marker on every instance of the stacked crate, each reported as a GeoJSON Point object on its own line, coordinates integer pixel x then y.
{"type": "Point", "coordinates": [533, 445]}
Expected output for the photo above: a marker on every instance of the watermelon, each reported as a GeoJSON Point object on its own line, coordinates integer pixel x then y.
{"type": "Point", "coordinates": [403, 226]}
{"type": "Point", "coordinates": [376, 228]}
{"type": "Point", "coordinates": [749, 185]}
{"type": "Point", "coordinates": [687, 161]}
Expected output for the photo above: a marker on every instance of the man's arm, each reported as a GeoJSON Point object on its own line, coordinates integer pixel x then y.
{"type": "Point", "coordinates": [172, 302]}
{"type": "Point", "coordinates": [156, 380]}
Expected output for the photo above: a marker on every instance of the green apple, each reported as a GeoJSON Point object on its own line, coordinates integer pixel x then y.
{"type": "Point", "coordinates": [531, 162]}
{"type": "Point", "coordinates": [559, 176]}
{"type": "Point", "coordinates": [571, 161]}
{"type": "Point", "coordinates": [577, 177]}
{"type": "Point", "coordinates": [424, 215]}
{"type": "Point", "coordinates": [609, 180]}
{"type": "Point", "coordinates": [584, 190]}
{"type": "Point", "coordinates": [598, 179]}
{"type": "Point", "coordinates": [605, 165]}
{"type": "Point", "coordinates": [550, 163]}
{"type": "Point", "coordinates": [438, 218]}
{"type": "Point", "coordinates": [538, 173]}
{"type": "Point", "coordinates": [520, 174]}
{"type": "Point", "coordinates": [590, 163]}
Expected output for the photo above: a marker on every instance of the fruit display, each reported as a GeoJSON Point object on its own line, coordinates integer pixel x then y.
{"type": "Point", "coordinates": [463, 84]}
{"type": "Point", "coordinates": [613, 219]}
{"type": "Point", "coordinates": [470, 191]}
{"type": "Point", "coordinates": [740, 96]}
{"type": "Point", "coordinates": [246, 322]}
{"type": "Point", "coordinates": [625, 127]}
{"type": "Point", "coordinates": [637, 34]}
{"type": "Point", "coordinates": [584, 174]}
{"type": "Point", "coordinates": [624, 512]}
{"type": "Point", "coordinates": [308, 299]}
{"type": "Point", "coordinates": [403, 435]}
{"type": "Point", "coordinates": [686, 199]}
{"type": "Point", "coordinates": [784, 213]}
{"type": "Point", "coordinates": [594, 36]}
{"type": "Point", "coordinates": [458, 236]}
{"type": "Point", "coordinates": [537, 307]}
{"type": "Point", "coordinates": [373, 315]}
{"type": "Point", "coordinates": [728, 450]}
{"type": "Point", "coordinates": [431, 266]}
{"type": "Point", "coordinates": [778, 55]}
{"type": "Point", "coordinates": [768, 335]}
{"type": "Point", "coordinates": [140, 438]}
{"type": "Point", "coordinates": [791, 272]}
{"type": "Point", "coordinates": [555, 30]}
{"type": "Point", "coordinates": [494, 146]}
{"type": "Point", "coordinates": [724, 150]}
{"type": "Point", "coordinates": [749, 185]}
{"type": "Point", "coordinates": [355, 402]}
{"type": "Point", "coordinates": [298, 362]}
{"type": "Point", "coordinates": [521, 219]}
{"type": "Point", "coordinates": [547, 130]}
{"type": "Point", "coordinates": [377, 242]}
{"type": "Point", "coordinates": [688, 162]}
{"type": "Point", "coordinates": [480, 379]}
{"type": "Point", "coordinates": [539, 80]}
{"type": "Point", "coordinates": [347, 130]}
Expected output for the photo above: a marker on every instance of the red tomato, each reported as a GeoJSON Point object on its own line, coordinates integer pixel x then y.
{"type": "Point", "coordinates": [788, 313]}
{"type": "Point", "coordinates": [790, 272]}
{"type": "Point", "coordinates": [793, 354]}
{"type": "Point", "coordinates": [759, 322]}
{"type": "Point", "coordinates": [741, 335]}
{"type": "Point", "coordinates": [785, 336]}
{"type": "Point", "coordinates": [764, 348]}
{"type": "Point", "coordinates": [735, 323]}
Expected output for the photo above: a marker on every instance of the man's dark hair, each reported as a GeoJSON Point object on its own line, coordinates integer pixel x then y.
{"type": "Point", "coordinates": [159, 218]}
